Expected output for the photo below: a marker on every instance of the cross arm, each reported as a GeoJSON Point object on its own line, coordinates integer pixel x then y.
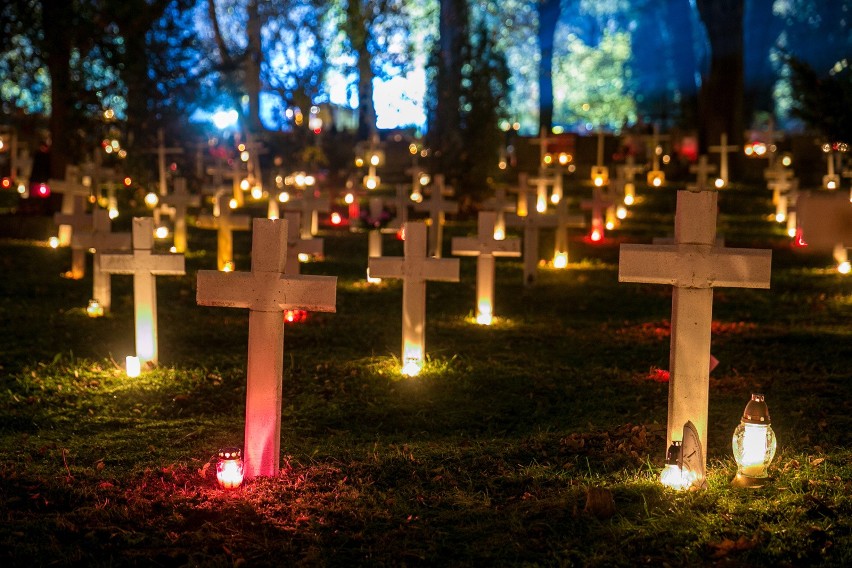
{"type": "Point", "coordinates": [695, 266]}
{"type": "Point", "coordinates": [266, 292]}
{"type": "Point", "coordinates": [386, 267]}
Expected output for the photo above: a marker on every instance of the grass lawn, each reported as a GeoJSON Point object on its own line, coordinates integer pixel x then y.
{"type": "Point", "coordinates": [488, 458]}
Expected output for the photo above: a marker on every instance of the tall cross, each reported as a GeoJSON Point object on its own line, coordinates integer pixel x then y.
{"type": "Point", "coordinates": [541, 182]}
{"type": "Point", "coordinates": [532, 224]}
{"type": "Point", "coordinates": [600, 173]}
{"type": "Point", "coordinates": [485, 247]}
{"type": "Point", "coordinates": [415, 268]}
{"type": "Point", "coordinates": [564, 220]}
{"type": "Point", "coordinates": [70, 188]}
{"type": "Point", "coordinates": [144, 265]}
{"type": "Point", "coordinates": [723, 148]}
{"type": "Point", "coordinates": [267, 292]}
{"type": "Point", "coordinates": [297, 244]}
{"type": "Point", "coordinates": [598, 205]}
{"type": "Point", "coordinates": [77, 220]}
{"type": "Point", "coordinates": [179, 200]}
{"type": "Point", "coordinates": [522, 189]}
{"type": "Point", "coordinates": [311, 204]}
{"type": "Point", "coordinates": [224, 224]}
{"type": "Point", "coordinates": [162, 152]}
{"type": "Point", "coordinates": [437, 207]}
{"type": "Point", "coordinates": [101, 239]}
{"type": "Point", "coordinates": [694, 266]}
{"type": "Point", "coordinates": [401, 201]}
{"type": "Point", "coordinates": [543, 141]}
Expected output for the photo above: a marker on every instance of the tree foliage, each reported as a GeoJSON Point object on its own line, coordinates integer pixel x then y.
{"type": "Point", "coordinates": [823, 102]}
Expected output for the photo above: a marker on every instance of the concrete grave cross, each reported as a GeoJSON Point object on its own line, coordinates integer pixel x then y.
{"type": "Point", "coordinates": [564, 220]}
{"type": "Point", "coordinates": [693, 266]}
{"type": "Point", "coordinates": [401, 201]}
{"type": "Point", "coordinates": [297, 245]}
{"type": "Point", "coordinates": [144, 265]}
{"type": "Point", "coordinates": [522, 189]}
{"type": "Point", "coordinates": [99, 240]}
{"type": "Point", "coordinates": [723, 149]}
{"type": "Point", "coordinates": [415, 268]}
{"type": "Point", "coordinates": [485, 247]}
{"type": "Point", "coordinates": [541, 184]}
{"type": "Point", "coordinates": [313, 202]}
{"type": "Point", "coordinates": [267, 292]}
{"type": "Point", "coordinates": [162, 153]}
{"type": "Point", "coordinates": [598, 205]}
{"type": "Point", "coordinates": [179, 201]}
{"type": "Point", "coordinates": [532, 224]}
{"type": "Point", "coordinates": [437, 207]}
{"type": "Point", "coordinates": [70, 188]}
{"type": "Point", "coordinates": [500, 205]}
{"type": "Point", "coordinates": [77, 220]}
{"type": "Point", "coordinates": [224, 224]}
{"type": "Point", "coordinates": [600, 173]}
{"type": "Point", "coordinates": [702, 171]}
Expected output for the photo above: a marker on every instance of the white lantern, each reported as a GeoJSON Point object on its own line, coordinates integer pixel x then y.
{"type": "Point", "coordinates": [753, 444]}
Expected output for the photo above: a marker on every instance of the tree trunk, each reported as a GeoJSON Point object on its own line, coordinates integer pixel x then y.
{"type": "Point", "coordinates": [254, 54]}
{"type": "Point", "coordinates": [58, 15]}
{"type": "Point", "coordinates": [357, 28]}
{"type": "Point", "coordinates": [721, 97]}
{"type": "Point", "coordinates": [548, 17]}
{"type": "Point", "coordinates": [452, 29]}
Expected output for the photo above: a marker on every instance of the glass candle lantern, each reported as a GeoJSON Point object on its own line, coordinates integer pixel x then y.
{"type": "Point", "coordinates": [229, 468]}
{"type": "Point", "coordinates": [753, 444]}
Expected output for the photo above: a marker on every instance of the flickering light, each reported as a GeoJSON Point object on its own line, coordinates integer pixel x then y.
{"type": "Point", "coordinates": [310, 180]}
{"type": "Point", "coordinates": [151, 199]}
{"type": "Point", "coordinates": [786, 160]}
{"type": "Point", "coordinates": [749, 150]}
{"type": "Point", "coordinates": [256, 192]}
{"type": "Point", "coordinates": [43, 190]}
{"type": "Point", "coordinates": [295, 316]}
{"type": "Point", "coordinates": [7, 183]}
{"type": "Point", "coordinates": [564, 158]}
{"type": "Point", "coordinates": [667, 159]}
{"type": "Point", "coordinates": [412, 367]}
{"type": "Point", "coordinates": [548, 159]}
{"type": "Point", "coordinates": [753, 444]}
{"type": "Point", "coordinates": [132, 366]}
{"type": "Point", "coordinates": [228, 266]}
{"type": "Point", "coordinates": [284, 197]}
{"type": "Point", "coordinates": [499, 234]}
{"type": "Point", "coordinates": [229, 468]}
{"type": "Point", "coordinates": [844, 267]}
{"type": "Point", "coordinates": [759, 148]}
{"type": "Point", "coordinates": [596, 235]}
{"type": "Point", "coordinates": [53, 242]}
{"type": "Point", "coordinates": [416, 196]}
{"type": "Point", "coordinates": [161, 232]}
{"type": "Point", "coordinates": [719, 183]}
{"type": "Point", "coordinates": [791, 232]}
{"type": "Point", "coordinates": [122, 154]}
{"type": "Point", "coordinates": [621, 212]}
{"type": "Point", "coordinates": [232, 203]}
{"type": "Point", "coordinates": [173, 249]}
{"type": "Point", "coordinates": [22, 188]}
{"type": "Point", "coordinates": [94, 309]}
{"type": "Point", "coordinates": [335, 218]}
{"type": "Point", "coordinates": [223, 119]}
{"type": "Point", "coordinates": [375, 160]}
{"type": "Point", "coordinates": [674, 475]}
{"type": "Point", "coordinates": [359, 162]}
{"type": "Point", "coordinates": [610, 225]}
{"type": "Point", "coordinates": [412, 148]}
{"type": "Point", "coordinates": [349, 198]}
{"type": "Point", "coordinates": [245, 184]}
{"type": "Point", "coordinates": [831, 184]}
{"type": "Point", "coordinates": [780, 217]}
{"type": "Point", "coordinates": [657, 182]}
{"type": "Point", "coordinates": [304, 257]}
{"type": "Point", "coordinates": [502, 164]}
{"type": "Point", "coordinates": [598, 181]}
{"type": "Point", "coordinates": [371, 182]}
{"type": "Point", "coordinates": [560, 260]}
{"type": "Point", "coordinates": [555, 198]}
{"type": "Point", "coordinates": [541, 204]}
{"type": "Point", "coordinates": [113, 212]}
{"type": "Point", "coordinates": [629, 199]}
{"type": "Point", "coordinates": [244, 156]}
{"type": "Point", "coordinates": [424, 179]}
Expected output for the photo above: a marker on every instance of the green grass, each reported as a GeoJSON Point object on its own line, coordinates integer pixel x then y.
{"type": "Point", "coordinates": [485, 459]}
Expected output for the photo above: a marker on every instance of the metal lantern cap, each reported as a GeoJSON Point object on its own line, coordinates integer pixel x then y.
{"type": "Point", "coordinates": [674, 453]}
{"type": "Point", "coordinates": [756, 411]}
{"type": "Point", "coordinates": [231, 453]}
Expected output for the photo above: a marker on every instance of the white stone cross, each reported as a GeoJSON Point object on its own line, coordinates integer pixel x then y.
{"type": "Point", "coordinates": [401, 201]}
{"type": "Point", "coordinates": [162, 152]}
{"type": "Point", "coordinates": [600, 173]}
{"type": "Point", "coordinates": [267, 291]}
{"type": "Point", "coordinates": [415, 268]}
{"type": "Point", "coordinates": [101, 239]}
{"type": "Point", "coordinates": [485, 247]}
{"type": "Point", "coordinates": [532, 224]}
{"type": "Point", "coordinates": [543, 141]}
{"type": "Point", "coordinates": [437, 207]}
{"type": "Point", "coordinates": [702, 171]}
{"type": "Point", "coordinates": [77, 220]}
{"type": "Point", "coordinates": [564, 220]}
{"type": "Point", "coordinates": [224, 224]}
{"type": "Point", "coordinates": [297, 245]}
{"type": "Point", "coordinates": [522, 189]}
{"type": "Point", "coordinates": [311, 204]}
{"type": "Point", "coordinates": [179, 200]}
{"type": "Point", "coordinates": [693, 266]}
{"type": "Point", "coordinates": [70, 188]}
{"type": "Point", "coordinates": [541, 184]}
{"type": "Point", "coordinates": [144, 265]}
{"type": "Point", "coordinates": [723, 149]}
{"type": "Point", "coordinates": [500, 205]}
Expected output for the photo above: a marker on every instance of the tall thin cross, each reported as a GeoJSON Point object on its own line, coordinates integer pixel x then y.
{"type": "Point", "coordinates": [694, 266]}
{"type": "Point", "coordinates": [101, 239]}
{"type": "Point", "coordinates": [532, 224]}
{"type": "Point", "coordinates": [723, 149]}
{"type": "Point", "coordinates": [500, 205]}
{"type": "Point", "coordinates": [311, 204]}
{"type": "Point", "coordinates": [415, 268]}
{"type": "Point", "coordinates": [702, 171]}
{"type": "Point", "coordinates": [598, 206]}
{"type": "Point", "coordinates": [144, 265]}
{"type": "Point", "coordinates": [179, 200]}
{"type": "Point", "coordinates": [267, 291]}
{"type": "Point", "coordinates": [162, 153]}
{"type": "Point", "coordinates": [543, 141]}
{"type": "Point", "coordinates": [77, 220]}
{"type": "Point", "coordinates": [522, 189]}
{"type": "Point", "coordinates": [224, 224]}
{"type": "Point", "coordinates": [401, 201]}
{"type": "Point", "coordinates": [600, 173]}
{"type": "Point", "coordinates": [297, 244]}
{"type": "Point", "coordinates": [564, 220]}
{"type": "Point", "coordinates": [485, 248]}
{"type": "Point", "coordinates": [437, 207]}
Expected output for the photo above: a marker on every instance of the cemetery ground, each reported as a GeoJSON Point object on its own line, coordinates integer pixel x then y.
{"type": "Point", "coordinates": [537, 441]}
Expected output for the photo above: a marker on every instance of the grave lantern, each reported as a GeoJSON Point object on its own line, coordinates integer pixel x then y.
{"type": "Point", "coordinates": [133, 366]}
{"type": "Point", "coordinates": [600, 175]}
{"type": "Point", "coordinates": [151, 199]}
{"type": "Point", "coordinates": [95, 309]}
{"type": "Point", "coordinates": [656, 178]}
{"type": "Point", "coordinates": [229, 468]}
{"type": "Point", "coordinates": [674, 474]}
{"type": "Point", "coordinates": [753, 444]}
